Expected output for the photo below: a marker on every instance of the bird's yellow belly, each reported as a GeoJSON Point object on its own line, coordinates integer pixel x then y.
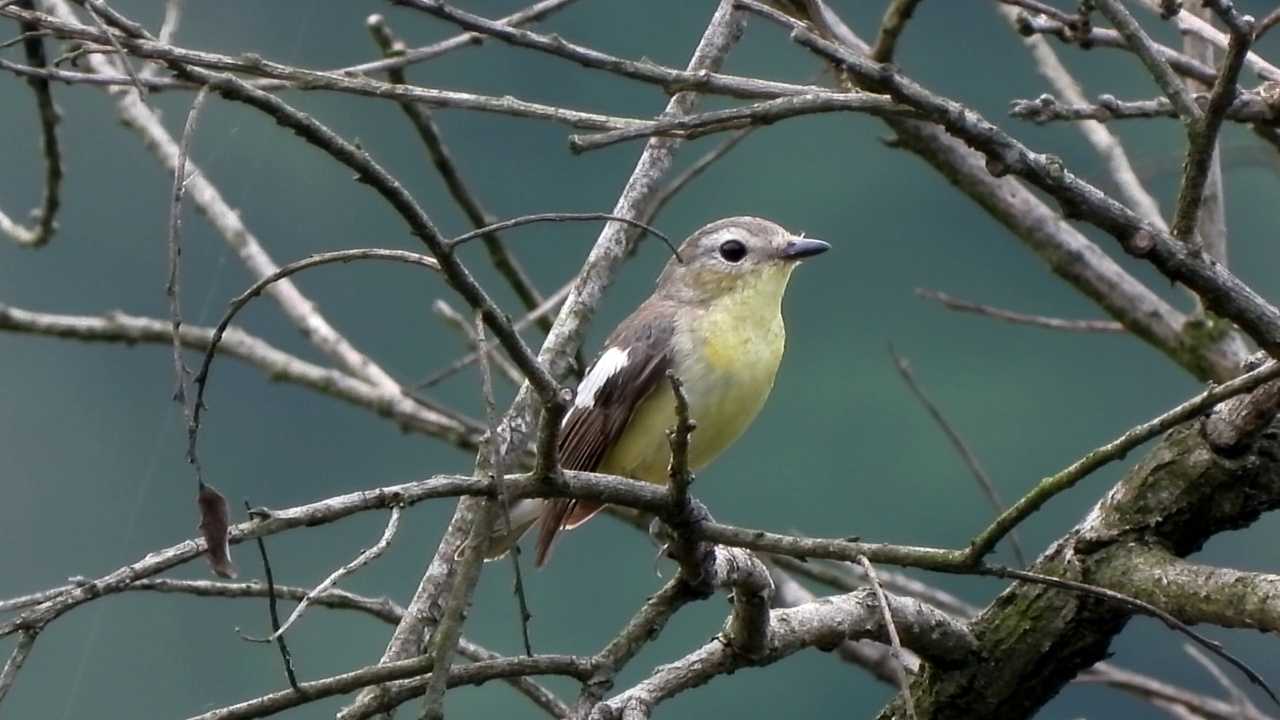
{"type": "Point", "coordinates": [726, 382]}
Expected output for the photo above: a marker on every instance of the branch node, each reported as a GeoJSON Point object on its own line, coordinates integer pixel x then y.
{"type": "Point", "coordinates": [1140, 243]}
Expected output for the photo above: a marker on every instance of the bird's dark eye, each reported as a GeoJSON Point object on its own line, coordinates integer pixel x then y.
{"type": "Point", "coordinates": [733, 250]}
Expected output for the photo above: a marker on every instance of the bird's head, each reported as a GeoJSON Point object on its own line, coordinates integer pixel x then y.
{"type": "Point", "coordinates": [733, 257]}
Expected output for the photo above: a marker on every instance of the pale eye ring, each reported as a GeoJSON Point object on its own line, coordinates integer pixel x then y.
{"type": "Point", "coordinates": [733, 251]}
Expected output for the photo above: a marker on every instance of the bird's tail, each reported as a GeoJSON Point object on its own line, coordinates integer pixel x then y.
{"type": "Point", "coordinates": [508, 528]}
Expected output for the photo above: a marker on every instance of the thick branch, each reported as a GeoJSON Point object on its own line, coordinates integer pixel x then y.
{"type": "Point", "coordinates": [1195, 593]}
{"type": "Point", "coordinates": [1039, 638]}
{"type": "Point", "coordinates": [823, 623]}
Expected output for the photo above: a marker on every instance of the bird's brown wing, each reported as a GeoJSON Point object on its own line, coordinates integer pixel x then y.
{"type": "Point", "coordinates": [635, 359]}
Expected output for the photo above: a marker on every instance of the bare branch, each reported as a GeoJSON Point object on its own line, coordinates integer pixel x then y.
{"type": "Point", "coordinates": [1246, 107]}
{"type": "Point", "coordinates": [1197, 593]}
{"type": "Point", "coordinates": [1008, 316]}
{"type": "Point", "coordinates": [1221, 291]}
{"type": "Point", "coordinates": [1191, 23]}
{"type": "Point", "coordinates": [18, 658]}
{"type": "Point", "coordinates": [1104, 143]}
{"type": "Point", "coordinates": [1165, 695]}
{"type": "Point", "coordinates": [418, 668]}
{"type": "Point", "coordinates": [534, 13]}
{"type": "Point", "coordinates": [364, 558]}
{"type": "Point", "coordinates": [747, 116]}
{"type": "Point", "coordinates": [1116, 449]}
{"type": "Point", "coordinates": [226, 221]}
{"type": "Point", "coordinates": [1212, 226]}
{"type": "Point", "coordinates": [1238, 696]}
{"type": "Point", "coordinates": [1068, 253]}
{"type": "Point", "coordinates": [823, 623]}
{"type": "Point", "coordinates": [420, 117]}
{"type": "Point", "coordinates": [274, 363]}
{"type": "Point", "coordinates": [1146, 51]}
{"type": "Point", "coordinates": [873, 657]}
{"type": "Point", "coordinates": [1202, 136]}
{"type": "Point", "coordinates": [45, 223]}
{"type": "Point", "coordinates": [1101, 37]}
{"type": "Point", "coordinates": [273, 609]}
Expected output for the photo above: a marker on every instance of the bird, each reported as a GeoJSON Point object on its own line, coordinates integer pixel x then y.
{"type": "Point", "coordinates": [714, 321]}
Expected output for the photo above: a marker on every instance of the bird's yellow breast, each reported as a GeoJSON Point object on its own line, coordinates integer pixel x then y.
{"type": "Point", "coordinates": [727, 356]}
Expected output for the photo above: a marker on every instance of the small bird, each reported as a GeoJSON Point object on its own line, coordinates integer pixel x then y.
{"type": "Point", "coordinates": [715, 321]}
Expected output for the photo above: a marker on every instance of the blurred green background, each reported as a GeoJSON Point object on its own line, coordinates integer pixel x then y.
{"type": "Point", "coordinates": [92, 444]}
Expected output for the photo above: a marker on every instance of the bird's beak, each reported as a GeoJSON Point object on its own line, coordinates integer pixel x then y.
{"type": "Point", "coordinates": [797, 248]}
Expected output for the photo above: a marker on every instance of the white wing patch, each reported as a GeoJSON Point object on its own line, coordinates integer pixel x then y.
{"type": "Point", "coordinates": [610, 363]}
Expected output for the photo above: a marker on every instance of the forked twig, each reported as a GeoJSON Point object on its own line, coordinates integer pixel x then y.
{"type": "Point", "coordinates": [364, 558]}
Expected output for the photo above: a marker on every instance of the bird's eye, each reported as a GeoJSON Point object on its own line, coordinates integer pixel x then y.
{"type": "Point", "coordinates": [733, 251]}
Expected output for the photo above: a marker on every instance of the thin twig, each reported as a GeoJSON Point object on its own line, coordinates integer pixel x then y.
{"type": "Point", "coordinates": [891, 628]}
{"type": "Point", "coordinates": [238, 303]}
{"type": "Point", "coordinates": [1238, 696]}
{"type": "Point", "coordinates": [45, 222]}
{"type": "Point", "coordinates": [424, 124]}
{"type": "Point", "coordinates": [563, 217]}
{"type": "Point", "coordinates": [460, 324]}
{"type": "Point", "coordinates": [419, 669]}
{"type": "Point", "coordinates": [213, 508]}
{"type": "Point", "coordinates": [961, 447]}
{"type": "Point", "coordinates": [1202, 136]}
{"type": "Point", "coordinates": [491, 423]}
{"type": "Point", "coordinates": [275, 364]}
{"type": "Point", "coordinates": [364, 558]}
{"type": "Point", "coordinates": [1054, 485]}
{"type": "Point", "coordinates": [1107, 145]}
{"type": "Point", "coordinates": [172, 289]}
{"type": "Point", "coordinates": [96, 13]}
{"type": "Point", "coordinates": [1101, 37]}
{"type": "Point", "coordinates": [693, 557]}
{"type": "Point", "coordinates": [1248, 107]}
{"type": "Point", "coordinates": [1211, 227]}
{"type": "Point", "coordinates": [1052, 323]}
{"type": "Point", "coordinates": [1162, 694]}
{"type": "Point", "coordinates": [1194, 24]}
{"type": "Point", "coordinates": [643, 627]}
{"type": "Point", "coordinates": [766, 112]}
{"type": "Point", "coordinates": [168, 29]}
{"type": "Point", "coordinates": [285, 656]}
{"type": "Point", "coordinates": [691, 173]}
{"type": "Point", "coordinates": [548, 307]}
{"type": "Point", "coordinates": [534, 13]}
{"type": "Point", "coordinates": [1147, 51]}
{"type": "Point", "coordinates": [1266, 23]}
